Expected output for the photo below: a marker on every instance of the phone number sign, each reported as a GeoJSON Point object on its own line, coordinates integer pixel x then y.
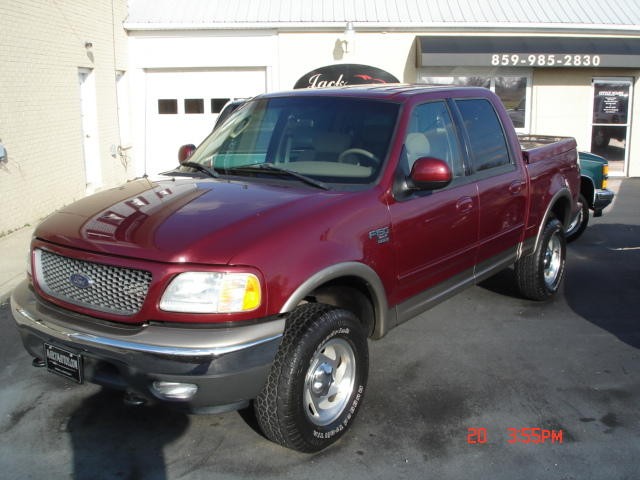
{"type": "Point", "coordinates": [547, 60]}
{"type": "Point", "coordinates": [527, 52]}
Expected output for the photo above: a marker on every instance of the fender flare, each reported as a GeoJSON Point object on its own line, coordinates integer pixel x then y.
{"type": "Point", "coordinates": [346, 269]}
{"type": "Point", "coordinates": [562, 193]}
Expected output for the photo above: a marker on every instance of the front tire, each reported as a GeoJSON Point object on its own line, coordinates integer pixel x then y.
{"type": "Point", "coordinates": [317, 381]}
{"type": "Point", "coordinates": [580, 222]}
{"type": "Point", "coordinates": [539, 275]}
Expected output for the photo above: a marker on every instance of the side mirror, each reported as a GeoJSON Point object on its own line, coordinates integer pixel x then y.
{"type": "Point", "coordinates": [185, 152]}
{"type": "Point", "coordinates": [429, 173]}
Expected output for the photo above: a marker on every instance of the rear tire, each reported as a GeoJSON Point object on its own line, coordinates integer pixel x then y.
{"type": "Point", "coordinates": [580, 221]}
{"type": "Point", "coordinates": [317, 381]}
{"type": "Point", "coordinates": [540, 274]}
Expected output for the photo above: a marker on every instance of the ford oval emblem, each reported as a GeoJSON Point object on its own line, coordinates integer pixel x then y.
{"type": "Point", "coordinates": [80, 281]}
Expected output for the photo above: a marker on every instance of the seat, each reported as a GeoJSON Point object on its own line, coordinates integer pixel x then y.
{"type": "Point", "coordinates": [417, 146]}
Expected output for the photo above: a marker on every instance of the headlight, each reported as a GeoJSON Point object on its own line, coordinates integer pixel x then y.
{"type": "Point", "coordinates": [206, 292]}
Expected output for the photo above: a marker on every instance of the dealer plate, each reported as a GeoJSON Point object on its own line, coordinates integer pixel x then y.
{"type": "Point", "coordinates": [63, 362]}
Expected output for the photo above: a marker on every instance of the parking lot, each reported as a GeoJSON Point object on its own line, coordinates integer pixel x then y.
{"type": "Point", "coordinates": [478, 368]}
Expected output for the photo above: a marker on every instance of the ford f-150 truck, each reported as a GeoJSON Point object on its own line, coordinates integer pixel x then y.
{"type": "Point", "coordinates": [306, 224]}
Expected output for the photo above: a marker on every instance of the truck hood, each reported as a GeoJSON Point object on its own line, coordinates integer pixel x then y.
{"type": "Point", "coordinates": [182, 220]}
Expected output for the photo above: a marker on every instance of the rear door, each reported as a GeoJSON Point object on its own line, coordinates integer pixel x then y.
{"type": "Point", "coordinates": [501, 182]}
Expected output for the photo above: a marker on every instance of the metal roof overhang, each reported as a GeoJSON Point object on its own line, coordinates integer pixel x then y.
{"type": "Point", "coordinates": [483, 51]}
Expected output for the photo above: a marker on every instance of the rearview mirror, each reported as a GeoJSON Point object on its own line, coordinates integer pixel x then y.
{"type": "Point", "coordinates": [429, 173]}
{"type": "Point", "coordinates": [185, 152]}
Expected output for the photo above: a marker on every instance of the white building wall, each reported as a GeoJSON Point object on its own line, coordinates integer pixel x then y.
{"type": "Point", "coordinates": [41, 48]}
{"type": "Point", "coordinates": [562, 104]}
{"type": "Point", "coordinates": [301, 52]}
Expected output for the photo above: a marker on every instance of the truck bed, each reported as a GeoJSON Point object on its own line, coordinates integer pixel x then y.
{"type": "Point", "coordinates": [544, 147]}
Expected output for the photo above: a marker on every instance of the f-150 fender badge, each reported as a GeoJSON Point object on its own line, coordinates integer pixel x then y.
{"type": "Point", "coordinates": [381, 234]}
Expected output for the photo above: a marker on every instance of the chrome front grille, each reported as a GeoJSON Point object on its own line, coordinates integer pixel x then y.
{"type": "Point", "coordinates": [97, 286]}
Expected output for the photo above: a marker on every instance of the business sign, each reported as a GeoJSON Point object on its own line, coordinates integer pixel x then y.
{"type": "Point", "coordinates": [343, 74]}
{"type": "Point", "coordinates": [547, 52]}
{"type": "Point", "coordinates": [610, 102]}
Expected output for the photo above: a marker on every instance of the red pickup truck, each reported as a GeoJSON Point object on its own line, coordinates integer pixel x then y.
{"type": "Point", "coordinates": [307, 223]}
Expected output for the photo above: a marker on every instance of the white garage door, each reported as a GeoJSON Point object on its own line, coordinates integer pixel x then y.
{"type": "Point", "coordinates": [182, 107]}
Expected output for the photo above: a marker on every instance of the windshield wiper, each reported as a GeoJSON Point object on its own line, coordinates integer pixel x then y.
{"type": "Point", "coordinates": [201, 168]}
{"type": "Point", "coordinates": [271, 167]}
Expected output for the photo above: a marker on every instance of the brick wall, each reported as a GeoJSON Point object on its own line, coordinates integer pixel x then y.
{"type": "Point", "coordinates": [42, 45]}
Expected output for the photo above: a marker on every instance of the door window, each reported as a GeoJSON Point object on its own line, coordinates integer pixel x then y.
{"type": "Point", "coordinates": [486, 137]}
{"type": "Point", "coordinates": [431, 134]}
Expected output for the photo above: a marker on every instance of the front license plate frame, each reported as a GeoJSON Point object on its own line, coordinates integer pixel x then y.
{"type": "Point", "coordinates": [63, 362]}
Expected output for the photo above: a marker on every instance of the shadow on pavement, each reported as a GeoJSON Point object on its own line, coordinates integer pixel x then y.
{"type": "Point", "coordinates": [603, 279]}
{"type": "Point", "coordinates": [602, 283]}
{"type": "Point", "coordinates": [112, 440]}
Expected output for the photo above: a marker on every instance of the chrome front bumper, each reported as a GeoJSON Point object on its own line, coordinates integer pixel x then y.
{"type": "Point", "coordinates": [229, 365]}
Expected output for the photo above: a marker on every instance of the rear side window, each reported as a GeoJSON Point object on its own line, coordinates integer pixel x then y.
{"type": "Point", "coordinates": [488, 145]}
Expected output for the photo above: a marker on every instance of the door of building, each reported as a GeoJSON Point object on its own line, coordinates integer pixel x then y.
{"type": "Point", "coordinates": [90, 145]}
{"type": "Point", "coordinates": [611, 121]}
{"type": "Point", "coordinates": [182, 106]}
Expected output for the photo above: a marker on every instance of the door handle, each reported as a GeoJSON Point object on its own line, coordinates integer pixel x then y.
{"type": "Point", "coordinates": [464, 204]}
{"type": "Point", "coordinates": [516, 187]}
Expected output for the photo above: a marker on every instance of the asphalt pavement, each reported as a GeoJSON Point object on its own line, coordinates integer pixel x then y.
{"type": "Point", "coordinates": [480, 368]}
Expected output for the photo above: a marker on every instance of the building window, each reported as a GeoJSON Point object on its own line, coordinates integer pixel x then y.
{"type": "Point", "coordinates": [513, 93]}
{"type": "Point", "coordinates": [512, 90]}
{"type": "Point", "coordinates": [167, 106]}
{"type": "Point", "coordinates": [193, 105]}
{"type": "Point", "coordinates": [459, 81]}
{"type": "Point", "coordinates": [217, 104]}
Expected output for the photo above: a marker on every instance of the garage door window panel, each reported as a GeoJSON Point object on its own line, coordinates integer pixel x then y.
{"type": "Point", "coordinates": [193, 105]}
{"type": "Point", "coordinates": [217, 104]}
{"type": "Point", "coordinates": [167, 106]}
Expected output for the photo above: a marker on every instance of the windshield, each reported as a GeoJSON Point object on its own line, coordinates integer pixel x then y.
{"type": "Point", "coordinates": [335, 140]}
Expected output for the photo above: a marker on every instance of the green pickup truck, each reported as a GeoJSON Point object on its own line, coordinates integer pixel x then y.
{"type": "Point", "coordinates": [594, 194]}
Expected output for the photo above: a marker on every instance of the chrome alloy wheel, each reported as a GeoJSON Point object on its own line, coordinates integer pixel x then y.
{"type": "Point", "coordinates": [329, 381]}
{"type": "Point", "coordinates": [553, 261]}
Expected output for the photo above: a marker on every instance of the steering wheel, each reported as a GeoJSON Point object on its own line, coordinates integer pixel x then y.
{"type": "Point", "coordinates": [358, 151]}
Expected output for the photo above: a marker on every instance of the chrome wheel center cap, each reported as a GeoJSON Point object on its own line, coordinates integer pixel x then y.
{"type": "Point", "coordinates": [322, 379]}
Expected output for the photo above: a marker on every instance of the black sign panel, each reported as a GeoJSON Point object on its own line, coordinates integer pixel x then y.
{"type": "Point", "coordinates": [548, 52]}
{"type": "Point", "coordinates": [610, 102]}
{"type": "Point", "coordinates": [344, 74]}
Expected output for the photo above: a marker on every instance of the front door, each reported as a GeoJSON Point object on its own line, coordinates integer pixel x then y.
{"type": "Point", "coordinates": [611, 121]}
{"type": "Point", "coordinates": [435, 233]}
